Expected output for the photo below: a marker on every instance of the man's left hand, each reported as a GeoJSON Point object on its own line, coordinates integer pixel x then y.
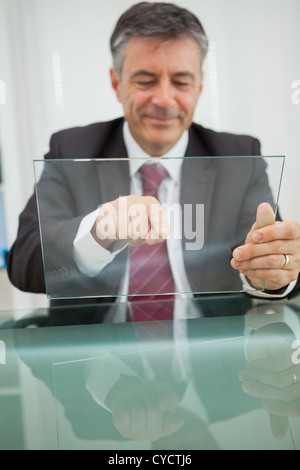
{"type": "Point", "coordinates": [268, 246]}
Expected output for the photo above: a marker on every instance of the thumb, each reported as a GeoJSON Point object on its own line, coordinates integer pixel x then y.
{"type": "Point", "coordinates": [264, 215]}
{"type": "Point", "coordinates": [279, 425]}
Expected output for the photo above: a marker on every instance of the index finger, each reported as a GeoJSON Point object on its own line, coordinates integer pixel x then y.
{"type": "Point", "coordinates": [273, 364]}
{"type": "Point", "coordinates": [287, 230]}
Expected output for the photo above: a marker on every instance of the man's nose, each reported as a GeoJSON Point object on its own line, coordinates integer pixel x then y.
{"type": "Point", "coordinates": [164, 96]}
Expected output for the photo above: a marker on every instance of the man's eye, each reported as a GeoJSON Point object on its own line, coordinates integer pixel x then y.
{"type": "Point", "coordinates": [181, 84]}
{"type": "Point", "coordinates": [145, 83]}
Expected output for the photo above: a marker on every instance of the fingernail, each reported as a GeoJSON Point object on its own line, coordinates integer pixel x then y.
{"type": "Point", "coordinates": [236, 264]}
{"type": "Point", "coordinates": [256, 237]}
{"type": "Point", "coordinates": [238, 254]}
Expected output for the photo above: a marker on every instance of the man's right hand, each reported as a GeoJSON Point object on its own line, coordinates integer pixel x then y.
{"type": "Point", "coordinates": [135, 219]}
{"type": "Point", "coordinates": [146, 410]}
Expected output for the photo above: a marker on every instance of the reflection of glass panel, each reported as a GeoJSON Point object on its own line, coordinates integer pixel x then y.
{"type": "Point", "coordinates": [114, 399]}
{"type": "Point", "coordinates": [213, 211]}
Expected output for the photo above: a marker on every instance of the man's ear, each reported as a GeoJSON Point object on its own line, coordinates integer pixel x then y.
{"type": "Point", "coordinates": [115, 83]}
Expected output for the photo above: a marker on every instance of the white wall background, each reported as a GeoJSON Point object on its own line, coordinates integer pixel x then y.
{"type": "Point", "coordinates": [54, 59]}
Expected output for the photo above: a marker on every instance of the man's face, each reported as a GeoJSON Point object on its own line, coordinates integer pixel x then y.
{"type": "Point", "coordinates": [159, 89]}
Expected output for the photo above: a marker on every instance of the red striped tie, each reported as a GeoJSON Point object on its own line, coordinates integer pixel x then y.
{"type": "Point", "coordinates": [150, 271]}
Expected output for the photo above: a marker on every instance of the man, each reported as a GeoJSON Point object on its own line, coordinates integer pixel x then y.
{"type": "Point", "coordinates": [158, 51]}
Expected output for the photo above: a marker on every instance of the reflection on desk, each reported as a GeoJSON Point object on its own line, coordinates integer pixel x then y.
{"type": "Point", "coordinates": [219, 382]}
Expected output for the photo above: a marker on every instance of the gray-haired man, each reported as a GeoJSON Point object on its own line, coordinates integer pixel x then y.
{"type": "Point", "coordinates": [158, 51]}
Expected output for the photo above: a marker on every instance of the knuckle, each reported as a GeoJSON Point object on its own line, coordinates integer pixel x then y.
{"type": "Point", "coordinates": [274, 261]}
{"type": "Point", "coordinates": [152, 200]}
{"type": "Point", "coordinates": [253, 264]}
{"type": "Point", "coordinates": [132, 199]}
{"type": "Point", "coordinates": [251, 251]}
{"type": "Point", "coordinates": [271, 232]}
{"type": "Point", "coordinates": [292, 229]}
{"type": "Point", "coordinates": [278, 246]}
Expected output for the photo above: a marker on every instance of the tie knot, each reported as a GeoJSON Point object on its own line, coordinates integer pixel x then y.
{"type": "Point", "coordinates": [152, 175]}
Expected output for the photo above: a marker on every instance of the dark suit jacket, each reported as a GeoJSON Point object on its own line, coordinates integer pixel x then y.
{"type": "Point", "coordinates": [68, 192]}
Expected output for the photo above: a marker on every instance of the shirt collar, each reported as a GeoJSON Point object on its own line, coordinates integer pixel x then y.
{"type": "Point", "coordinates": [172, 160]}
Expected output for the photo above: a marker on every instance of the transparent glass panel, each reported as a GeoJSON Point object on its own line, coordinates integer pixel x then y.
{"type": "Point", "coordinates": [207, 204]}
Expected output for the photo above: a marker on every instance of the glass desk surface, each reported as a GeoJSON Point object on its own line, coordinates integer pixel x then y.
{"type": "Point", "coordinates": [224, 375]}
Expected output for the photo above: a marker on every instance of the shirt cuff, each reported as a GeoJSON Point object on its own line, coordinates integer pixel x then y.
{"type": "Point", "coordinates": [265, 295]}
{"type": "Point", "coordinates": [89, 256]}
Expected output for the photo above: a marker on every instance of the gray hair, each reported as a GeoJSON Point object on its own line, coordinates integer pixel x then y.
{"type": "Point", "coordinates": [163, 21]}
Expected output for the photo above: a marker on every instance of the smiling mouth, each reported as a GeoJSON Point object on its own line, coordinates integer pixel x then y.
{"type": "Point", "coordinates": [162, 120]}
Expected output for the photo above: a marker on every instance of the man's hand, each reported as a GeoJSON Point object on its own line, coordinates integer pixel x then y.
{"type": "Point", "coordinates": [263, 255]}
{"type": "Point", "coordinates": [135, 219]}
{"type": "Point", "coordinates": [271, 375]}
{"type": "Point", "coordinates": [145, 411]}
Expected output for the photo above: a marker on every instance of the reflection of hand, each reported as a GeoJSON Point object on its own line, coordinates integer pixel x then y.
{"type": "Point", "coordinates": [271, 376]}
{"type": "Point", "coordinates": [135, 219]}
{"type": "Point", "coordinates": [262, 256]}
{"type": "Point", "coordinates": [194, 434]}
{"type": "Point", "coordinates": [144, 411]}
